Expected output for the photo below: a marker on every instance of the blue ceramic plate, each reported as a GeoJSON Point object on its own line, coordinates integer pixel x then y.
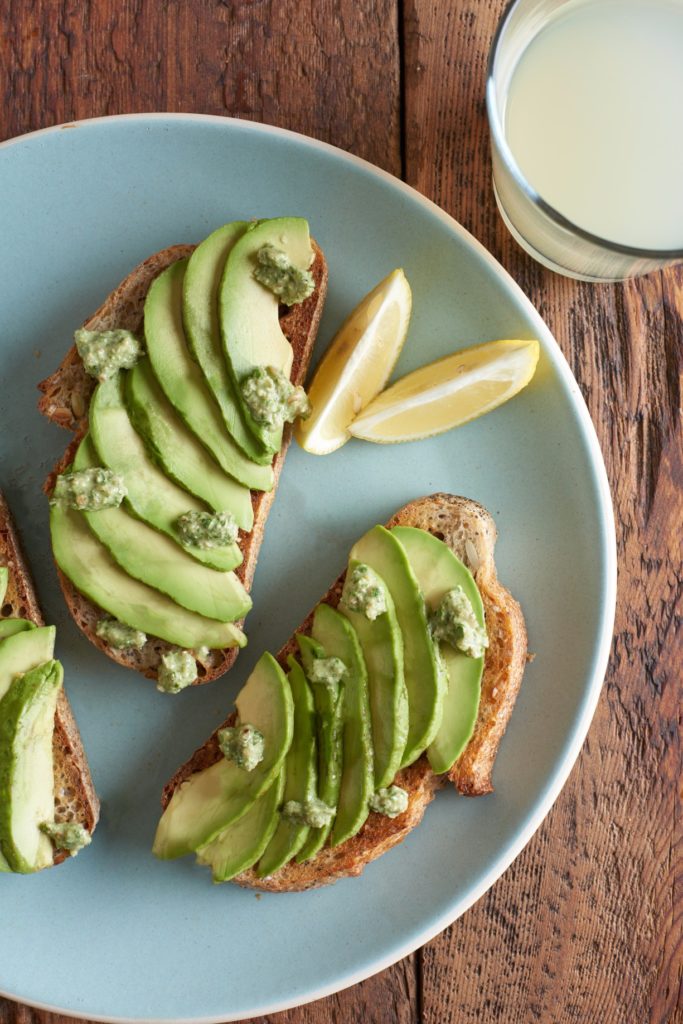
{"type": "Point", "coordinates": [114, 934]}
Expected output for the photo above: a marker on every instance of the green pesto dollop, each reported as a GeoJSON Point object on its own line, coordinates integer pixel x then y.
{"type": "Point", "coordinates": [67, 835]}
{"type": "Point", "coordinates": [272, 399]}
{"type": "Point", "coordinates": [289, 283]}
{"type": "Point", "coordinates": [454, 622]}
{"type": "Point", "coordinates": [243, 744]}
{"type": "Point", "coordinates": [313, 812]}
{"type": "Point", "coordinates": [390, 801]}
{"type": "Point", "coordinates": [328, 671]}
{"type": "Point", "coordinates": [89, 490]}
{"type": "Point", "coordinates": [364, 593]}
{"type": "Point", "coordinates": [178, 669]}
{"type": "Point", "coordinates": [119, 635]}
{"type": "Point", "coordinates": [104, 353]}
{"type": "Point", "coordinates": [207, 529]}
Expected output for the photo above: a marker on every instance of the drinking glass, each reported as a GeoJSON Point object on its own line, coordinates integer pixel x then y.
{"type": "Point", "coordinates": [540, 229]}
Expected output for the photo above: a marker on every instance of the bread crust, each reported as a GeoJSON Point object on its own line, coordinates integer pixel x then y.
{"type": "Point", "coordinates": [470, 532]}
{"type": "Point", "coordinates": [75, 796]}
{"type": "Point", "coordinates": [65, 401]}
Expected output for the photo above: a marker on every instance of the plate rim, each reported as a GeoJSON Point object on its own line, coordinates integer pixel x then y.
{"type": "Point", "coordinates": [603, 637]}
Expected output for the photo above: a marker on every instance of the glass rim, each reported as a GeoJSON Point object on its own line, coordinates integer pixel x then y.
{"type": "Point", "coordinates": [498, 133]}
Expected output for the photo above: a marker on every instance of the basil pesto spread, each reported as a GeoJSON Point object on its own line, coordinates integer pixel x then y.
{"type": "Point", "coordinates": [364, 593]}
{"type": "Point", "coordinates": [119, 635]}
{"type": "Point", "coordinates": [67, 835]}
{"type": "Point", "coordinates": [454, 622]}
{"type": "Point", "coordinates": [390, 802]}
{"type": "Point", "coordinates": [314, 812]}
{"type": "Point", "coordinates": [282, 278]}
{"type": "Point", "coordinates": [104, 353]}
{"type": "Point", "coordinates": [207, 529]}
{"type": "Point", "coordinates": [178, 669]}
{"type": "Point", "coordinates": [328, 671]}
{"type": "Point", "coordinates": [272, 399]}
{"type": "Point", "coordinates": [89, 490]}
{"type": "Point", "coordinates": [243, 744]}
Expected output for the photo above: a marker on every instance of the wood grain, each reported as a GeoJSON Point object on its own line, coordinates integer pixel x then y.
{"type": "Point", "coordinates": [586, 925]}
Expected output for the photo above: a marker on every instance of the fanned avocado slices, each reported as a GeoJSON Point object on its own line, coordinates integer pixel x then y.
{"type": "Point", "coordinates": [23, 651]}
{"type": "Point", "coordinates": [382, 551]}
{"type": "Point", "coordinates": [178, 452]}
{"type": "Point", "coordinates": [338, 637]}
{"type": "Point", "coordinates": [329, 721]}
{"type": "Point", "coordinates": [382, 645]}
{"type": "Point", "coordinates": [86, 562]}
{"type": "Point", "coordinates": [151, 495]}
{"type": "Point", "coordinates": [202, 329]}
{"type": "Point", "coordinates": [299, 775]}
{"type": "Point", "coordinates": [211, 800]}
{"type": "Point", "coordinates": [243, 842]}
{"type": "Point", "coordinates": [249, 312]}
{"type": "Point", "coordinates": [438, 570]}
{"type": "Point", "coordinates": [184, 384]}
{"type": "Point", "coordinates": [154, 559]}
{"type": "Point", "coordinates": [27, 719]}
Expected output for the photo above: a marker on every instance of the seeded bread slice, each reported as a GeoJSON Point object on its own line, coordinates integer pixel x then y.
{"type": "Point", "coordinates": [75, 797]}
{"type": "Point", "coordinates": [470, 532]}
{"type": "Point", "coordinates": [65, 401]}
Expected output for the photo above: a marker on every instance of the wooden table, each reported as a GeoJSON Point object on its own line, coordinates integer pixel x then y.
{"type": "Point", "coordinates": [586, 925]}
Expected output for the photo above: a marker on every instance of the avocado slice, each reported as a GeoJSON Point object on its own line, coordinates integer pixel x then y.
{"type": "Point", "coordinates": [438, 570]}
{"type": "Point", "coordinates": [8, 627]}
{"type": "Point", "coordinates": [382, 646]}
{"type": "Point", "coordinates": [243, 842]}
{"type": "Point", "coordinates": [329, 715]}
{"type": "Point", "coordinates": [300, 775]}
{"type": "Point", "coordinates": [152, 558]}
{"type": "Point", "coordinates": [202, 330]}
{"type": "Point", "coordinates": [210, 800]}
{"type": "Point", "coordinates": [383, 552]}
{"type": "Point", "coordinates": [178, 452]}
{"type": "Point", "coordinates": [249, 312]}
{"type": "Point", "coordinates": [24, 651]}
{"type": "Point", "coordinates": [86, 562]}
{"type": "Point", "coordinates": [183, 382]}
{"type": "Point", "coordinates": [152, 497]}
{"type": "Point", "coordinates": [27, 721]}
{"type": "Point", "coordinates": [4, 580]}
{"type": "Point", "coordinates": [338, 637]}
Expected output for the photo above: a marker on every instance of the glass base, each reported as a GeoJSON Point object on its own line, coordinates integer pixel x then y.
{"type": "Point", "coordinates": [557, 268]}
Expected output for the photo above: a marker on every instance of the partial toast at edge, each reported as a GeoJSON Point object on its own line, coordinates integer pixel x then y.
{"type": "Point", "coordinates": [470, 532]}
{"type": "Point", "coordinates": [65, 401]}
{"type": "Point", "coordinates": [75, 797]}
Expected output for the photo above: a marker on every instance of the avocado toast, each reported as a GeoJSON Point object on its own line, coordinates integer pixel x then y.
{"type": "Point", "coordinates": [63, 779]}
{"type": "Point", "coordinates": [326, 747]}
{"type": "Point", "coordinates": [177, 430]}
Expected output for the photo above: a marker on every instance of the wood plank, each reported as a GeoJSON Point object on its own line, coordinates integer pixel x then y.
{"type": "Point", "coordinates": [330, 71]}
{"type": "Point", "coordinates": [586, 925]}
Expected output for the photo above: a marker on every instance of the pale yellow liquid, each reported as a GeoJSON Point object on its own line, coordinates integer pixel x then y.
{"type": "Point", "coordinates": [594, 118]}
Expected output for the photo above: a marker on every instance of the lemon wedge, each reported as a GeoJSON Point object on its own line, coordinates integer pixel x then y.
{"type": "Point", "coordinates": [357, 364]}
{"type": "Point", "coordinates": [449, 392]}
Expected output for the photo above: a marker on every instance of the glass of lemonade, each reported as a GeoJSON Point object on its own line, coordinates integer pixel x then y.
{"type": "Point", "coordinates": [585, 101]}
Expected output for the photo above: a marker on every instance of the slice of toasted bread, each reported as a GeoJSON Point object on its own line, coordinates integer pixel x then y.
{"type": "Point", "coordinates": [65, 401]}
{"type": "Point", "coordinates": [75, 797]}
{"type": "Point", "coordinates": [470, 532]}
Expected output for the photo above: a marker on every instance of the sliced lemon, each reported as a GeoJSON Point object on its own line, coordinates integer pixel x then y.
{"type": "Point", "coordinates": [357, 364]}
{"type": "Point", "coordinates": [449, 392]}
